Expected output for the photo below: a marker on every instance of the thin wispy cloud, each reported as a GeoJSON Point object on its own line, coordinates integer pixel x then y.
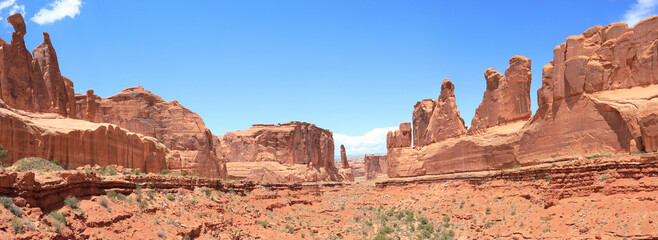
{"type": "Point", "coordinates": [57, 10]}
{"type": "Point", "coordinates": [17, 9]}
{"type": "Point", "coordinates": [640, 10]}
{"type": "Point", "coordinates": [372, 142]}
{"type": "Point", "coordinates": [12, 6]}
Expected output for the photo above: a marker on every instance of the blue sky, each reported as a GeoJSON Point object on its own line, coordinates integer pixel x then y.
{"type": "Point", "coordinates": [354, 67]}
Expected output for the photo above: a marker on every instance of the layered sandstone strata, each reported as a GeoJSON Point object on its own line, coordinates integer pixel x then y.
{"type": "Point", "coordinates": [294, 151]}
{"type": "Point", "coordinates": [178, 128]}
{"type": "Point", "coordinates": [76, 142]}
{"type": "Point", "coordinates": [599, 96]}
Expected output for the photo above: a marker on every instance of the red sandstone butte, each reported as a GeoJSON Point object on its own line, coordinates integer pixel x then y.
{"type": "Point", "coordinates": [599, 96]}
{"type": "Point", "coordinates": [288, 152]}
{"type": "Point", "coordinates": [172, 124]}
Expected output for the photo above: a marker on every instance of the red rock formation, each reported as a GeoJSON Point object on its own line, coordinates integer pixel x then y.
{"type": "Point", "coordinates": [76, 143]}
{"type": "Point", "coordinates": [421, 119]}
{"type": "Point", "coordinates": [345, 171]}
{"type": "Point", "coordinates": [343, 157]}
{"type": "Point", "coordinates": [295, 151]}
{"type": "Point", "coordinates": [180, 129]}
{"type": "Point", "coordinates": [446, 122]}
{"type": "Point", "coordinates": [507, 98]}
{"type": "Point", "coordinates": [375, 166]}
{"type": "Point", "coordinates": [599, 96]}
{"type": "Point", "coordinates": [400, 137]}
{"type": "Point", "coordinates": [435, 121]}
{"type": "Point", "coordinates": [36, 85]}
{"type": "Point", "coordinates": [21, 83]}
{"type": "Point", "coordinates": [59, 88]}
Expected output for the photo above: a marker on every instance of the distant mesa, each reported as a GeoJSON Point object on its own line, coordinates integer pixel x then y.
{"type": "Point", "coordinates": [288, 152]}
{"type": "Point", "coordinates": [598, 96]}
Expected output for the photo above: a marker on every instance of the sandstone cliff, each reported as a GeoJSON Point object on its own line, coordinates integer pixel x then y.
{"type": "Point", "coordinates": [598, 97]}
{"type": "Point", "coordinates": [76, 143]}
{"type": "Point", "coordinates": [178, 128]}
{"type": "Point", "coordinates": [290, 152]}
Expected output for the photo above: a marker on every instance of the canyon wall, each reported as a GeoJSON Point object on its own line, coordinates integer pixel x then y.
{"type": "Point", "coordinates": [288, 152]}
{"type": "Point", "coordinates": [77, 143]}
{"type": "Point", "coordinates": [598, 97]}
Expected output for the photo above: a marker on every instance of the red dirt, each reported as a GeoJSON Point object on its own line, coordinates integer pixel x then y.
{"type": "Point", "coordinates": [613, 197]}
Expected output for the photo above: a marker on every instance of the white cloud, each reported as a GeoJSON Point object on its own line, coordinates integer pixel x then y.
{"type": "Point", "coordinates": [17, 9]}
{"type": "Point", "coordinates": [372, 142]}
{"type": "Point", "coordinates": [640, 10]}
{"type": "Point", "coordinates": [13, 7]}
{"type": "Point", "coordinates": [57, 10]}
{"type": "Point", "coordinates": [7, 3]}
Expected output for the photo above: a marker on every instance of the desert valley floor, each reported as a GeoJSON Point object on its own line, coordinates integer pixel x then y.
{"type": "Point", "coordinates": [599, 197]}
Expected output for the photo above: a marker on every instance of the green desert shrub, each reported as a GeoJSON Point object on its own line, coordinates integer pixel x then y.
{"type": "Point", "coordinates": [262, 223]}
{"type": "Point", "coordinates": [3, 153]}
{"type": "Point", "coordinates": [58, 217]}
{"type": "Point", "coordinates": [17, 225]}
{"type": "Point", "coordinates": [8, 203]}
{"type": "Point", "coordinates": [72, 202]}
{"type": "Point", "coordinates": [103, 202]}
{"type": "Point", "coordinates": [34, 164]}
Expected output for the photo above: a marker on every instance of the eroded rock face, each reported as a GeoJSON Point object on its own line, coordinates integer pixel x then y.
{"type": "Point", "coordinates": [76, 143]}
{"type": "Point", "coordinates": [288, 146]}
{"type": "Point", "coordinates": [375, 166]}
{"type": "Point", "coordinates": [21, 81]}
{"type": "Point", "coordinates": [59, 89]}
{"type": "Point", "coordinates": [178, 128]}
{"type": "Point", "coordinates": [599, 96]}
{"type": "Point", "coordinates": [343, 157]}
{"type": "Point", "coordinates": [446, 122]}
{"type": "Point", "coordinates": [400, 137]}
{"type": "Point", "coordinates": [507, 98]}
{"type": "Point", "coordinates": [437, 120]}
